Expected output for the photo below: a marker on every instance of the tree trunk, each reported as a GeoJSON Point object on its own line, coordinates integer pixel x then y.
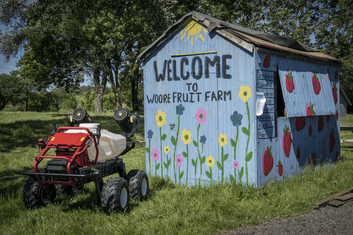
{"type": "Point", "coordinates": [99, 87]}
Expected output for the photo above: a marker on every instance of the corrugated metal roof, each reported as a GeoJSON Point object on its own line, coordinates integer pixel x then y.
{"type": "Point", "coordinates": [258, 39]}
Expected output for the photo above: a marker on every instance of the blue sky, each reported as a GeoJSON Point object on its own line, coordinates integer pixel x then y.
{"type": "Point", "coordinates": [11, 64]}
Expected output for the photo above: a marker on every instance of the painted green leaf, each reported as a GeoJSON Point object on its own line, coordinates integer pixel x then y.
{"type": "Point", "coordinates": [148, 150]}
{"type": "Point", "coordinates": [185, 155]}
{"type": "Point", "coordinates": [219, 166]}
{"type": "Point", "coordinates": [164, 137]}
{"type": "Point", "coordinates": [158, 165]}
{"type": "Point", "coordinates": [169, 161]}
{"type": "Point", "coordinates": [208, 175]}
{"type": "Point", "coordinates": [165, 165]}
{"type": "Point", "coordinates": [232, 179]}
{"type": "Point", "coordinates": [245, 131]}
{"type": "Point", "coordinates": [181, 175]}
{"type": "Point", "coordinates": [248, 157]}
{"type": "Point", "coordinates": [193, 162]}
{"type": "Point", "coordinates": [203, 159]}
{"type": "Point", "coordinates": [195, 143]}
{"type": "Point", "coordinates": [173, 140]}
{"type": "Point", "coordinates": [233, 143]}
{"type": "Point", "coordinates": [225, 157]}
{"type": "Point", "coordinates": [241, 172]}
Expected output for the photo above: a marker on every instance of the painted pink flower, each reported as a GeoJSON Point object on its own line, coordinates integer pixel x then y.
{"type": "Point", "coordinates": [179, 160]}
{"type": "Point", "coordinates": [155, 154]}
{"type": "Point", "coordinates": [201, 115]}
{"type": "Point", "coordinates": [236, 164]}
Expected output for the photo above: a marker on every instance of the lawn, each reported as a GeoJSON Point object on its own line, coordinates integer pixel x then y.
{"type": "Point", "coordinates": [170, 209]}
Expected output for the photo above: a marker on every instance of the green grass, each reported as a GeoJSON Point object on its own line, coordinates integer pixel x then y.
{"type": "Point", "coordinates": [170, 209]}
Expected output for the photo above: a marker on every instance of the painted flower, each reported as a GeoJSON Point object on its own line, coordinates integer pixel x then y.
{"type": "Point", "coordinates": [222, 139]}
{"type": "Point", "coordinates": [245, 93]}
{"type": "Point", "coordinates": [203, 139]}
{"type": "Point", "coordinates": [179, 160]}
{"type": "Point", "coordinates": [166, 149]}
{"type": "Point", "coordinates": [210, 161]}
{"type": "Point", "coordinates": [236, 164]}
{"type": "Point", "coordinates": [150, 134]}
{"type": "Point", "coordinates": [236, 118]}
{"type": "Point", "coordinates": [180, 109]}
{"type": "Point", "coordinates": [160, 118]}
{"type": "Point", "coordinates": [155, 154]}
{"type": "Point", "coordinates": [186, 136]}
{"type": "Point", "coordinates": [201, 115]}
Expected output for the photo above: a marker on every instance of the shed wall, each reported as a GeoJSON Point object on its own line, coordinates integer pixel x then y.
{"type": "Point", "coordinates": [200, 121]}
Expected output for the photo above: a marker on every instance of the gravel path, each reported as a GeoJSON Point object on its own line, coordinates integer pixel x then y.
{"type": "Point", "coordinates": [327, 220]}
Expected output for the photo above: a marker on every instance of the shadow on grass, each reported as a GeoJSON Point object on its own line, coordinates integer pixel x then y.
{"type": "Point", "coordinates": [9, 183]}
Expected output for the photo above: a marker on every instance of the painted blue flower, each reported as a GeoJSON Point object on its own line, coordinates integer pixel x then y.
{"type": "Point", "coordinates": [150, 133]}
{"type": "Point", "coordinates": [236, 118]}
{"type": "Point", "coordinates": [203, 139]}
{"type": "Point", "coordinates": [180, 109]}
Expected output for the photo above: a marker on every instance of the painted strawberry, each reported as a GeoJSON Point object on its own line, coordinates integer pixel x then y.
{"type": "Point", "coordinates": [286, 140]}
{"type": "Point", "coordinates": [336, 75]}
{"type": "Point", "coordinates": [320, 124]}
{"type": "Point", "coordinates": [309, 110]}
{"type": "Point", "coordinates": [299, 123]}
{"type": "Point", "coordinates": [267, 161]}
{"type": "Point", "coordinates": [313, 161]}
{"type": "Point", "coordinates": [298, 152]}
{"type": "Point", "coordinates": [280, 168]}
{"type": "Point", "coordinates": [289, 82]}
{"type": "Point", "coordinates": [332, 140]}
{"type": "Point", "coordinates": [336, 115]}
{"type": "Point", "coordinates": [334, 92]}
{"type": "Point", "coordinates": [316, 84]}
{"type": "Point", "coordinates": [328, 117]}
{"type": "Point", "coordinates": [267, 61]}
{"type": "Point", "coordinates": [310, 130]}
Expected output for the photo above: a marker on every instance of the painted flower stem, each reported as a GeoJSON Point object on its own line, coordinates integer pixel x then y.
{"type": "Point", "coordinates": [247, 145]}
{"type": "Point", "coordinates": [187, 164]}
{"type": "Point", "coordinates": [176, 143]}
{"type": "Point", "coordinates": [149, 155]}
{"type": "Point", "coordinates": [222, 164]}
{"type": "Point", "coordinates": [160, 134]}
{"type": "Point", "coordinates": [198, 151]}
{"type": "Point", "coordinates": [235, 153]}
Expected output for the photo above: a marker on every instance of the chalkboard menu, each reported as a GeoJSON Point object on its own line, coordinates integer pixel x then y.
{"type": "Point", "coordinates": [265, 81]}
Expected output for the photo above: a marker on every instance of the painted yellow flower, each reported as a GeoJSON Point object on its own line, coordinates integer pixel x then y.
{"type": "Point", "coordinates": [160, 118]}
{"type": "Point", "coordinates": [245, 93]}
{"type": "Point", "coordinates": [166, 149]}
{"type": "Point", "coordinates": [186, 136]}
{"type": "Point", "coordinates": [210, 161]}
{"type": "Point", "coordinates": [222, 139]}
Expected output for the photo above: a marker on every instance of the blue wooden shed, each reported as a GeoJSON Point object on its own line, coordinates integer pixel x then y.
{"type": "Point", "coordinates": [204, 82]}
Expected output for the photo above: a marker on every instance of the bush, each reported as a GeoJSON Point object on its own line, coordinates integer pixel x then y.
{"type": "Point", "coordinates": [70, 102]}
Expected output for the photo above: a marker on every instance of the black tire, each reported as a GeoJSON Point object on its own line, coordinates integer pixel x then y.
{"type": "Point", "coordinates": [115, 195]}
{"type": "Point", "coordinates": [35, 196]}
{"type": "Point", "coordinates": [138, 185]}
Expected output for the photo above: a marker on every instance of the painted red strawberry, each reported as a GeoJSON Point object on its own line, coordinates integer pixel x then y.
{"type": "Point", "coordinates": [313, 161]}
{"type": "Point", "coordinates": [267, 161]}
{"type": "Point", "coordinates": [286, 140]}
{"type": "Point", "coordinates": [299, 123]}
{"type": "Point", "coordinates": [267, 61]}
{"type": "Point", "coordinates": [298, 152]}
{"type": "Point", "coordinates": [331, 140]}
{"type": "Point", "coordinates": [310, 130]}
{"type": "Point", "coordinates": [280, 168]}
{"type": "Point", "coordinates": [334, 92]}
{"type": "Point", "coordinates": [320, 124]}
{"type": "Point", "coordinates": [316, 84]}
{"type": "Point", "coordinates": [309, 110]}
{"type": "Point", "coordinates": [336, 75]}
{"type": "Point", "coordinates": [289, 82]}
{"type": "Point", "coordinates": [336, 115]}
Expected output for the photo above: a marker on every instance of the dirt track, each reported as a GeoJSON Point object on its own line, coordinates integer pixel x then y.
{"type": "Point", "coordinates": [327, 220]}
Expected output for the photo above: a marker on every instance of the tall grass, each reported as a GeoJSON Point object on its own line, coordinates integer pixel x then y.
{"type": "Point", "coordinates": [170, 209]}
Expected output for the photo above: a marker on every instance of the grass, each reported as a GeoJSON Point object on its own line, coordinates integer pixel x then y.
{"type": "Point", "coordinates": [170, 209]}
